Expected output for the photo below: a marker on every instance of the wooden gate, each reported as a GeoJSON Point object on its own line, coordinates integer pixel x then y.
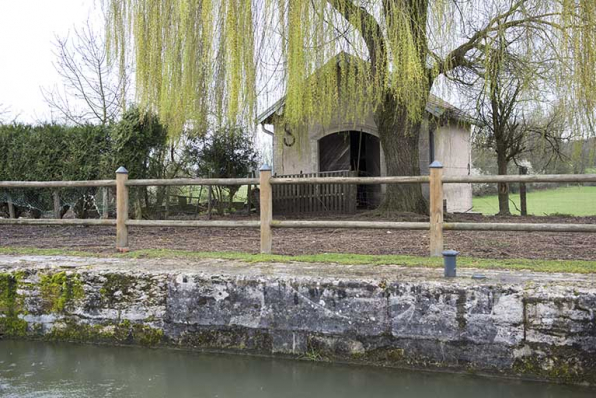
{"type": "Point", "coordinates": [314, 198]}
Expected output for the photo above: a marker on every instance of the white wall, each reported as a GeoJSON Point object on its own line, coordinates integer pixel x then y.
{"type": "Point", "coordinates": [452, 148]}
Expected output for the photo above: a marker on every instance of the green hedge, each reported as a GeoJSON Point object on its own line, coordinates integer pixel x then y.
{"type": "Point", "coordinates": [50, 152]}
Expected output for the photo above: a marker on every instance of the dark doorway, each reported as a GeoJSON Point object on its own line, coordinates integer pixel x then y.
{"type": "Point", "coordinates": [355, 151]}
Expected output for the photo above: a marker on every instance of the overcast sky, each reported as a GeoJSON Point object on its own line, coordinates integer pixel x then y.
{"type": "Point", "coordinates": [27, 29]}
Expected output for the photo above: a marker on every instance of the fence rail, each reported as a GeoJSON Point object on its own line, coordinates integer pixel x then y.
{"type": "Point", "coordinates": [48, 221]}
{"type": "Point", "coordinates": [192, 223]}
{"type": "Point", "coordinates": [554, 178]}
{"type": "Point", "coordinates": [435, 226]}
{"type": "Point", "coordinates": [193, 181]}
{"type": "Point", "coordinates": [352, 180]}
{"type": "Point", "coordinates": [57, 184]}
{"type": "Point", "coordinates": [523, 227]}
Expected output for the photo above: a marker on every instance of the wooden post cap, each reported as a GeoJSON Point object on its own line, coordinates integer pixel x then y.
{"type": "Point", "coordinates": [265, 167]}
{"type": "Point", "coordinates": [121, 170]}
{"type": "Point", "coordinates": [436, 165]}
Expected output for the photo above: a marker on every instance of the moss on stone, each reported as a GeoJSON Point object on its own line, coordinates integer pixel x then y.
{"type": "Point", "coordinates": [9, 298]}
{"type": "Point", "coordinates": [123, 332]}
{"type": "Point", "coordinates": [11, 306]}
{"type": "Point", "coordinates": [58, 291]}
{"type": "Point", "coordinates": [114, 283]}
{"type": "Point", "coordinates": [556, 371]}
{"type": "Point", "coordinates": [13, 327]}
{"type": "Point", "coordinates": [80, 333]}
{"type": "Point", "coordinates": [147, 336]}
{"type": "Point", "coordinates": [388, 356]}
{"type": "Point", "coordinates": [232, 338]}
{"type": "Point", "coordinates": [557, 363]}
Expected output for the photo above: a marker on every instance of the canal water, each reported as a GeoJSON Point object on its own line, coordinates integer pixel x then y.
{"type": "Point", "coordinates": [36, 369]}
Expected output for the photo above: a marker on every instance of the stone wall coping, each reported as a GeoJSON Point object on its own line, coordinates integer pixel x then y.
{"type": "Point", "coordinates": [324, 272]}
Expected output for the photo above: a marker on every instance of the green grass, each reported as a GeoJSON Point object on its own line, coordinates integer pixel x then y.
{"type": "Point", "coordinates": [574, 266]}
{"type": "Point", "coordinates": [574, 201]}
{"type": "Point", "coordinates": [194, 191]}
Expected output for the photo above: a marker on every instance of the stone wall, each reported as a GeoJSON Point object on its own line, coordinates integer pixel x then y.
{"type": "Point", "coordinates": [540, 326]}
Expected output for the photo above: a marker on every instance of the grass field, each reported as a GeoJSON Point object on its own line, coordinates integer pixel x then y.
{"type": "Point", "coordinates": [575, 201]}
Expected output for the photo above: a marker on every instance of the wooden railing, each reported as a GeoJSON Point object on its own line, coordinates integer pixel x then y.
{"type": "Point", "coordinates": [311, 199]}
{"type": "Point", "coordinates": [435, 226]}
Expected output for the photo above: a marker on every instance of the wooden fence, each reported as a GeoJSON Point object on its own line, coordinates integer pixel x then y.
{"type": "Point", "coordinates": [435, 226]}
{"type": "Point", "coordinates": [291, 199]}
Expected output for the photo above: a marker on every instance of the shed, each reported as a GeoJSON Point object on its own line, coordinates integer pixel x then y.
{"type": "Point", "coordinates": [348, 146]}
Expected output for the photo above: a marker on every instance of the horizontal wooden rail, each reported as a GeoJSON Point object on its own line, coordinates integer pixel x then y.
{"type": "Point", "coordinates": [265, 181]}
{"type": "Point", "coordinates": [352, 180]}
{"type": "Point", "coordinates": [193, 181]}
{"type": "Point", "coordinates": [524, 227]}
{"type": "Point", "coordinates": [57, 184]}
{"type": "Point", "coordinates": [350, 224]}
{"type": "Point", "coordinates": [554, 178]}
{"type": "Point", "coordinates": [50, 221]}
{"type": "Point", "coordinates": [544, 178]}
{"type": "Point", "coordinates": [193, 223]}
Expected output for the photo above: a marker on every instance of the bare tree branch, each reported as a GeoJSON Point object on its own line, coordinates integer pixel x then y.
{"type": "Point", "coordinates": [93, 90]}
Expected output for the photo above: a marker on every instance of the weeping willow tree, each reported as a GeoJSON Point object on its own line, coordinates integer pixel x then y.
{"type": "Point", "coordinates": [211, 63]}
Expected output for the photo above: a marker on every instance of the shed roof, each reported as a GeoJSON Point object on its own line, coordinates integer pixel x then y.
{"type": "Point", "coordinates": [435, 106]}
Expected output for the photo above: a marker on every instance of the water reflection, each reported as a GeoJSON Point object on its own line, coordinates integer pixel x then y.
{"type": "Point", "coordinates": [36, 369]}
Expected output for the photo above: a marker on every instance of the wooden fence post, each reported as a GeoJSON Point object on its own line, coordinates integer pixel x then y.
{"type": "Point", "coordinates": [436, 209]}
{"type": "Point", "coordinates": [209, 200]}
{"type": "Point", "coordinates": [11, 209]}
{"type": "Point", "coordinates": [56, 201]}
{"type": "Point", "coordinates": [266, 204]}
{"type": "Point", "coordinates": [353, 194]}
{"type": "Point", "coordinates": [248, 193]}
{"type": "Point", "coordinates": [105, 203]}
{"type": "Point", "coordinates": [522, 192]}
{"type": "Point", "coordinates": [121, 210]}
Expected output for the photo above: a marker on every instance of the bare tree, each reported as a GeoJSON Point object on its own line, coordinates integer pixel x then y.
{"type": "Point", "coordinates": [507, 111]}
{"type": "Point", "coordinates": [6, 115]}
{"type": "Point", "coordinates": [93, 89]}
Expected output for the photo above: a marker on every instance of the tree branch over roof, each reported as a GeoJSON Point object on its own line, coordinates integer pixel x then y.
{"type": "Point", "coordinates": [370, 30]}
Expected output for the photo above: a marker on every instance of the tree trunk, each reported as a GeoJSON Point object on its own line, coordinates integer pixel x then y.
{"type": "Point", "coordinates": [503, 187]}
{"type": "Point", "coordinates": [232, 192]}
{"type": "Point", "coordinates": [399, 139]}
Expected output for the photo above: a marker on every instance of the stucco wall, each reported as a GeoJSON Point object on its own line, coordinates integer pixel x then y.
{"type": "Point", "coordinates": [453, 150]}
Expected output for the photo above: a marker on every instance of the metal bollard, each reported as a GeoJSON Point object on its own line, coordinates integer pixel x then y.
{"type": "Point", "coordinates": [450, 259]}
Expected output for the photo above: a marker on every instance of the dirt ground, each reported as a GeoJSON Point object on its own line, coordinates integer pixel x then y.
{"type": "Point", "coordinates": [577, 246]}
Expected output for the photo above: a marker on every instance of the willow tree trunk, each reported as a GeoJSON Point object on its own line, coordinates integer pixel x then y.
{"type": "Point", "coordinates": [399, 139]}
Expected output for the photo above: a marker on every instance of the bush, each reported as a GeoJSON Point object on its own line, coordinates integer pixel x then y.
{"type": "Point", "coordinates": [227, 153]}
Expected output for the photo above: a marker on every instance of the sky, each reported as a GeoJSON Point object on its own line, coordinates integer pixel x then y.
{"type": "Point", "coordinates": [27, 30]}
